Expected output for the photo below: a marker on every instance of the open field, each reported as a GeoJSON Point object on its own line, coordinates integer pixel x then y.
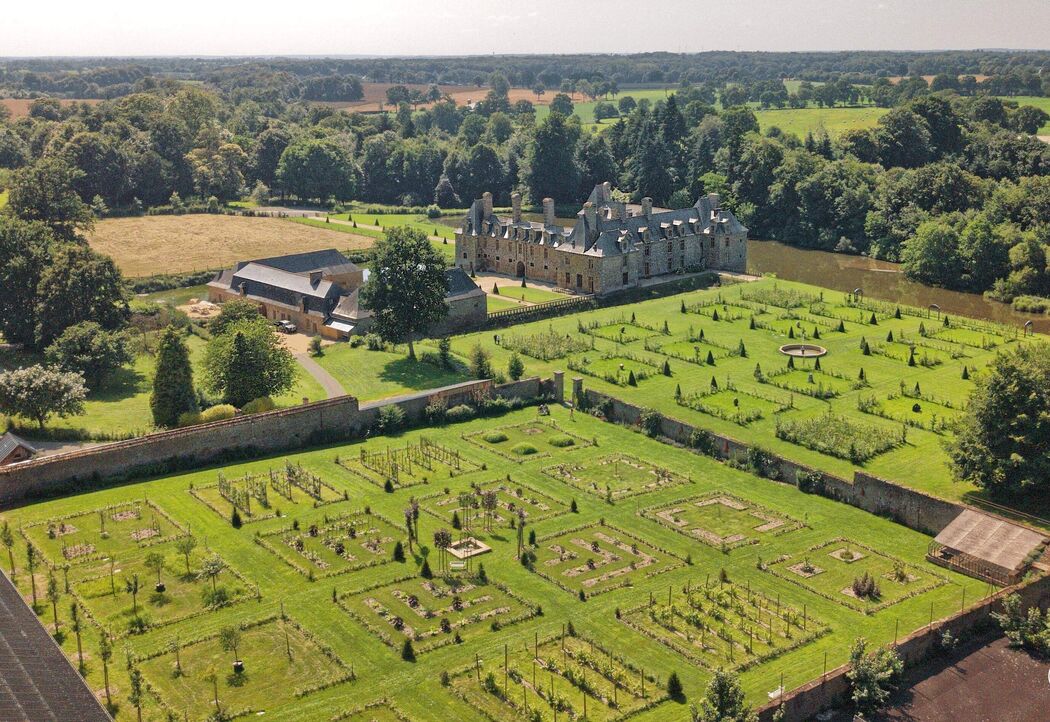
{"type": "Point", "coordinates": [145, 245]}
{"type": "Point", "coordinates": [323, 605]}
{"type": "Point", "coordinates": [800, 121]}
{"type": "Point", "coordinates": [751, 396]}
{"type": "Point", "coordinates": [1039, 102]}
{"type": "Point", "coordinates": [19, 107]}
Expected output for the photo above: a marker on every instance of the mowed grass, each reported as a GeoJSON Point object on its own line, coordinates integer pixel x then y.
{"type": "Point", "coordinates": [119, 407]}
{"type": "Point", "coordinates": [835, 121]}
{"type": "Point", "coordinates": [367, 232]}
{"type": "Point", "coordinates": [327, 641]}
{"type": "Point", "coordinates": [921, 462]}
{"type": "Point", "coordinates": [148, 245]}
{"type": "Point", "coordinates": [372, 375]}
{"type": "Point", "coordinates": [1041, 103]}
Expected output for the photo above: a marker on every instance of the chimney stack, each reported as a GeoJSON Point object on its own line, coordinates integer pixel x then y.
{"type": "Point", "coordinates": [315, 278]}
{"type": "Point", "coordinates": [606, 191]}
{"type": "Point", "coordinates": [647, 207]}
{"type": "Point", "coordinates": [486, 199]}
{"type": "Point", "coordinates": [515, 202]}
{"type": "Point", "coordinates": [548, 211]}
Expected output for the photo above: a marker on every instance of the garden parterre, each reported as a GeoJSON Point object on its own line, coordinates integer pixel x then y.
{"type": "Point", "coordinates": [339, 622]}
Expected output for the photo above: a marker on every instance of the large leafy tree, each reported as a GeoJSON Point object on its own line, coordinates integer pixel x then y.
{"type": "Point", "coordinates": [316, 170]}
{"type": "Point", "coordinates": [1003, 441]}
{"type": "Point", "coordinates": [24, 250]}
{"type": "Point", "coordinates": [406, 289]}
{"type": "Point", "coordinates": [173, 393]}
{"type": "Point", "coordinates": [46, 192]}
{"type": "Point", "coordinates": [552, 171]}
{"type": "Point", "coordinates": [90, 349]}
{"type": "Point", "coordinates": [873, 675]}
{"type": "Point", "coordinates": [932, 254]}
{"type": "Point", "coordinates": [248, 362]}
{"type": "Point", "coordinates": [40, 392]}
{"type": "Point", "coordinates": [723, 701]}
{"type": "Point", "coordinates": [78, 285]}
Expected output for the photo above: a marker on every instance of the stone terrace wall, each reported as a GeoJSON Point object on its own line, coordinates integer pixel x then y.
{"type": "Point", "coordinates": [275, 431]}
{"type": "Point", "coordinates": [832, 690]}
{"type": "Point", "coordinates": [909, 507]}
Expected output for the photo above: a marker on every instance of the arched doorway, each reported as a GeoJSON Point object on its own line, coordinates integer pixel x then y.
{"type": "Point", "coordinates": [521, 269]}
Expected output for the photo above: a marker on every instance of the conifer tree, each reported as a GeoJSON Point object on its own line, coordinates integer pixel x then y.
{"type": "Point", "coordinates": [173, 380]}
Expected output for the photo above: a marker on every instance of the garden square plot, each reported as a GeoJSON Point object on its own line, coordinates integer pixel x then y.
{"type": "Point", "coordinates": [597, 558]}
{"type": "Point", "coordinates": [925, 356]}
{"type": "Point", "coordinates": [546, 345]}
{"type": "Point", "coordinates": [120, 530]}
{"type": "Point", "coordinates": [532, 439]}
{"type": "Point", "coordinates": [344, 544]}
{"type": "Point", "coordinates": [258, 497]}
{"type": "Point", "coordinates": [923, 413]}
{"type": "Point", "coordinates": [778, 296]}
{"type": "Point", "coordinates": [972, 337]}
{"type": "Point", "coordinates": [733, 405]}
{"type": "Point", "coordinates": [616, 369]}
{"type": "Point", "coordinates": [435, 612]}
{"type": "Point", "coordinates": [839, 436]}
{"type": "Point", "coordinates": [722, 520]}
{"type": "Point", "coordinates": [511, 496]}
{"type": "Point", "coordinates": [557, 674]}
{"type": "Point", "coordinates": [170, 589]}
{"type": "Point", "coordinates": [722, 311]}
{"type": "Point", "coordinates": [616, 476]}
{"type": "Point", "coordinates": [381, 711]}
{"type": "Point", "coordinates": [830, 570]}
{"type": "Point", "coordinates": [420, 462]}
{"type": "Point", "coordinates": [282, 663]}
{"type": "Point", "coordinates": [810, 382]}
{"type": "Point", "coordinates": [693, 351]}
{"type": "Point", "coordinates": [622, 332]}
{"type": "Point", "coordinates": [724, 624]}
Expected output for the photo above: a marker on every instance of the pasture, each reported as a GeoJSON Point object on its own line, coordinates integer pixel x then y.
{"type": "Point", "coordinates": [321, 586]}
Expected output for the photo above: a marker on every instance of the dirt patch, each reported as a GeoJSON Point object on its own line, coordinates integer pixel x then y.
{"type": "Point", "coordinates": [375, 96]}
{"type": "Point", "coordinates": [19, 107]}
{"type": "Point", "coordinates": [146, 245]}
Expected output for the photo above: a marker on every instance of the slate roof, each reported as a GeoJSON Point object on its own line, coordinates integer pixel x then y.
{"type": "Point", "coordinates": [459, 283]}
{"type": "Point", "coordinates": [277, 278]}
{"type": "Point", "coordinates": [37, 682]}
{"type": "Point", "coordinates": [329, 260]}
{"type": "Point", "coordinates": [607, 227]}
{"type": "Point", "coordinates": [9, 442]}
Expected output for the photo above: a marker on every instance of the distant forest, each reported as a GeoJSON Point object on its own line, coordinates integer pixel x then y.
{"type": "Point", "coordinates": [337, 79]}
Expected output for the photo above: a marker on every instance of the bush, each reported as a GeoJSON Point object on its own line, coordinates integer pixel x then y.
{"type": "Point", "coordinates": [259, 405]}
{"type": "Point", "coordinates": [524, 449]}
{"type": "Point", "coordinates": [650, 421]}
{"type": "Point", "coordinates": [374, 343]}
{"type": "Point", "coordinates": [436, 413]}
{"type": "Point", "coordinates": [459, 413]}
{"type": "Point", "coordinates": [219, 412]}
{"type": "Point", "coordinates": [189, 418]}
{"type": "Point", "coordinates": [562, 441]}
{"type": "Point", "coordinates": [515, 367]}
{"type": "Point", "coordinates": [390, 419]}
{"type": "Point", "coordinates": [315, 346]}
{"type": "Point", "coordinates": [674, 687]}
{"type": "Point", "coordinates": [494, 437]}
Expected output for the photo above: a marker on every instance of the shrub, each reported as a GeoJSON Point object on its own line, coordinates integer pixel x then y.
{"type": "Point", "coordinates": [872, 676]}
{"type": "Point", "coordinates": [562, 441]}
{"type": "Point", "coordinates": [515, 367]}
{"type": "Point", "coordinates": [494, 437]}
{"type": "Point", "coordinates": [235, 519]}
{"type": "Point", "coordinates": [399, 552]}
{"type": "Point", "coordinates": [458, 413]}
{"type": "Point", "coordinates": [424, 571]}
{"type": "Point", "coordinates": [865, 587]}
{"type": "Point", "coordinates": [390, 419]}
{"type": "Point", "coordinates": [650, 421]}
{"type": "Point", "coordinates": [524, 449]}
{"type": "Point", "coordinates": [219, 412]}
{"type": "Point", "coordinates": [259, 405]}
{"type": "Point", "coordinates": [407, 653]}
{"type": "Point", "coordinates": [189, 418]}
{"type": "Point", "coordinates": [373, 342]}
{"type": "Point", "coordinates": [315, 346]}
{"type": "Point", "coordinates": [674, 687]}
{"type": "Point", "coordinates": [436, 413]}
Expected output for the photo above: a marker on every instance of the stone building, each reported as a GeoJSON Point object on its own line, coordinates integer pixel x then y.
{"type": "Point", "coordinates": [319, 292]}
{"type": "Point", "coordinates": [611, 246]}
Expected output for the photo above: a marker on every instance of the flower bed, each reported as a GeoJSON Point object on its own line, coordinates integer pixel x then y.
{"type": "Point", "coordinates": [616, 476]}
{"type": "Point", "coordinates": [721, 520]}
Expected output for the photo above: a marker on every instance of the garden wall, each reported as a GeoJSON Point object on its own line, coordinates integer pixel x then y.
{"type": "Point", "coordinates": [909, 507]}
{"type": "Point", "coordinates": [832, 690]}
{"type": "Point", "coordinates": [331, 420]}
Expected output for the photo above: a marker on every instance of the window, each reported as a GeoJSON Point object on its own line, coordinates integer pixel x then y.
{"type": "Point", "coordinates": [624, 278]}
{"type": "Point", "coordinates": [647, 250]}
{"type": "Point", "coordinates": [567, 278]}
{"type": "Point", "coordinates": [681, 244]}
{"type": "Point", "coordinates": [669, 247]}
{"type": "Point", "coordinates": [647, 269]}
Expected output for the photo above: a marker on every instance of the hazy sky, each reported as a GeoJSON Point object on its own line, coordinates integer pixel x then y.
{"type": "Point", "coordinates": [441, 27]}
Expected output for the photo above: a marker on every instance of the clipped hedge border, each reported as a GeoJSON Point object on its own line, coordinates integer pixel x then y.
{"type": "Point", "coordinates": [675, 479]}
{"type": "Point", "coordinates": [581, 443]}
{"type": "Point", "coordinates": [486, 485]}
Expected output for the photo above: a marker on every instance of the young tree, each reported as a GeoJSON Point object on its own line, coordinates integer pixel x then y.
{"type": "Point", "coordinates": [185, 546]}
{"type": "Point", "coordinates": [40, 392]}
{"type": "Point", "coordinates": [135, 694]}
{"type": "Point", "coordinates": [406, 291]}
{"type": "Point", "coordinates": [53, 596]}
{"type": "Point", "coordinates": [90, 349]}
{"type": "Point", "coordinates": [8, 540]}
{"type": "Point", "coordinates": [723, 701]}
{"type": "Point", "coordinates": [873, 676]}
{"type": "Point", "coordinates": [131, 586]}
{"type": "Point", "coordinates": [674, 684]}
{"type": "Point", "coordinates": [105, 653]}
{"type": "Point", "coordinates": [31, 566]}
{"type": "Point", "coordinates": [173, 393]}
{"type": "Point", "coordinates": [480, 364]}
{"type": "Point", "coordinates": [230, 640]}
{"type": "Point", "coordinates": [1003, 440]}
{"type": "Point", "coordinates": [155, 563]}
{"type": "Point", "coordinates": [248, 362]}
{"type": "Point", "coordinates": [515, 367]}
{"type": "Point", "coordinates": [211, 568]}
{"type": "Point", "coordinates": [74, 617]}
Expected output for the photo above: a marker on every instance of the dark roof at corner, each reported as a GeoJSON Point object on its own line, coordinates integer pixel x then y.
{"type": "Point", "coordinates": [459, 282]}
{"type": "Point", "coordinates": [303, 262]}
{"type": "Point", "coordinates": [37, 682]}
{"type": "Point", "coordinates": [9, 442]}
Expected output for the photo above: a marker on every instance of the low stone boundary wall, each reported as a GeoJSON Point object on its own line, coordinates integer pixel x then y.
{"type": "Point", "coordinates": [326, 421]}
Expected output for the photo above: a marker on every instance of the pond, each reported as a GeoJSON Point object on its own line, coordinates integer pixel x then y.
{"type": "Point", "coordinates": [878, 279]}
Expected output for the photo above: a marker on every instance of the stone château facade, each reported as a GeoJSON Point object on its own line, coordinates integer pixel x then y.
{"type": "Point", "coordinates": [612, 246]}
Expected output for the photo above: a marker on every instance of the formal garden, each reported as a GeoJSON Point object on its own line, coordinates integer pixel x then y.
{"type": "Point", "coordinates": [607, 563]}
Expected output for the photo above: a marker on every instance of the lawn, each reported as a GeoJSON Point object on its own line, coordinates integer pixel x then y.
{"type": "Point", "coordinates": [530, 294]}
{"type": "Point", "coordinates": [835, 121]}
{"type": "Point", "coordinates": [372, 375]}
{"type": "Point", "coordinates": [1039, 102]}
{"type": "Point", "coordinates": [324, 608]}
{"type": "Point", "coordinates": [749, 396]}
{"type": "Point", "coordinates": [200, 242]}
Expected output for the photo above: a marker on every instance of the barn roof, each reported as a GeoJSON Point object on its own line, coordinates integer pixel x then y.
{"type": "Point", "coordinates": [991, 539]}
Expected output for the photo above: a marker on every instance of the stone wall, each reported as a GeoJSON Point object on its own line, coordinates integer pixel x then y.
{"type": "Point", "coordinates": [833, 690]}
{"type": "Point", "coordinates": [331, 420]}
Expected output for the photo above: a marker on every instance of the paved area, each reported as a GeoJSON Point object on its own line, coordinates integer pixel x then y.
{"type": "Point", "coordinates": [37, 683]}
{"type": "Point", "coordinates": [330, 384]}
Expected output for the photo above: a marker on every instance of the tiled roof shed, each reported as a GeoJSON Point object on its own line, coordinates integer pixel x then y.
{"type": "Point", "coordinates": [37, 682]}
{"type": "Point", "coordinates": [986, 546]}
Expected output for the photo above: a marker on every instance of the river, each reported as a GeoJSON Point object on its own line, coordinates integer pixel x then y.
{"type": "Point", "coordinates": [877, 279]}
